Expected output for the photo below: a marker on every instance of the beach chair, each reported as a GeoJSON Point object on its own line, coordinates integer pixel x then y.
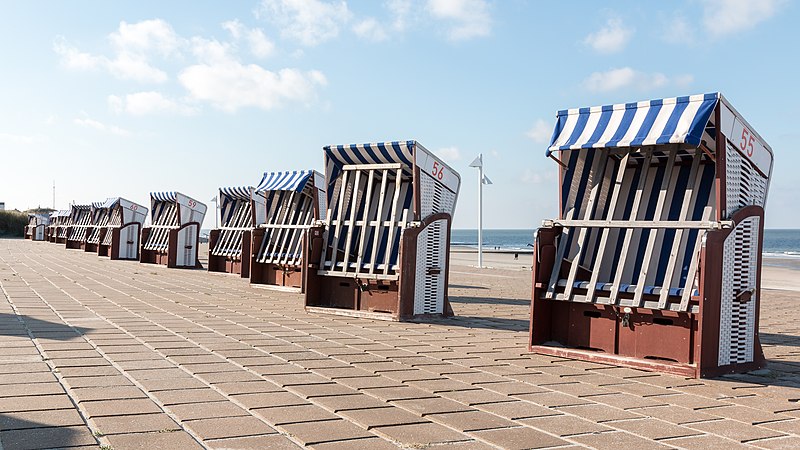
{"type": "Point", "coordinates": [118, 237]}
{"type": "Point", "coordinates": [57, 221]}
{"type": "Point", "coordinates": [80, 222]}
{"type": "Point", "coordinates": [382, 251]}
{"type": "Point", "coordinates": [37, 227]}
{"type": "Point", "coordinates": [285, 205]}
{"type": "Point", "coordinates": [654, 261]}
{"type": "Point", "coordinates": [173, 237]}
{"type": "Point", "coordinates": [229, 245]}
{"type": "Point", "coordinates": [99, 214]}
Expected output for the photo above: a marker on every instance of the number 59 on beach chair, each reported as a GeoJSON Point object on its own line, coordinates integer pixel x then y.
{"type": "Point", "coordinates": [654, 260]}
{"type": "Point", "coordinates": [173, 236]}
{"type": "Point", "coordinates": [383, 249]}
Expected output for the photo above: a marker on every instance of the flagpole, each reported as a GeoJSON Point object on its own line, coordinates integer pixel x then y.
{"type": "Point", "coordinates": [480, 213]}
{"type": "Point", "coordinates": [482, 179]}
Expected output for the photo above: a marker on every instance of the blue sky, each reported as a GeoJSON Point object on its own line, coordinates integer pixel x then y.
{"type": "Point", "coordinates": [120, 99]}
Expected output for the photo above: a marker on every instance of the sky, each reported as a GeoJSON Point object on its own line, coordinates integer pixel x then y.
{"type": "Point", "coordinates": [112, 99]}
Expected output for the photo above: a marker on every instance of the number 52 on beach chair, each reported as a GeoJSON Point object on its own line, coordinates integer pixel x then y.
{"type": "Point", "coordinates": [654, 260]}
{"type": "Point", "coordinates": [382, 251]}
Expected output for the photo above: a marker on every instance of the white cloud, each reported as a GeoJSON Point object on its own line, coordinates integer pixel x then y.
{"type": "Point", "coordinates": [310, 22]}
{"type": "Point", "coordinates": [130, 66]}
{"type": "Point", "coordinates": [154, 35]}
{"type": "Point", "coordinates": [19, 139]}
{"type": "Point", "coordinates": [449, 153]}
{"type": "Point", "coordinates": [399, 10]}
{"type": "Point", "coordinates": [468, 18]}
{"type": "Point", "coordinates": [677, 30]}
{"type": "Point", "coordinates": [133, 45]}
{"type": "Point", "coordinates": [94, 124]}
{"type": "Point", "coordinates": [541, 132]}
{"type": "Point", "coordinates": [627, 77]}
{"type": "Point", "coordinates": [72, 58]}
{"type": "Point", "coordinates": [216, 75]}
{"type": "Point", "coordinates": [260, 45]}
{"type": "Point", "coordinates": [144, 103]}
{"type": "Point", "coordinates": [723, 17]}
{"type": "Point", "coordinates": [232, 85]}
{"type": "Point", "coordinates": [611, 38]}
{"type": "Point", "coordinates": [210, 50]}
{"type": "Point", "coordinates": [370, 29]}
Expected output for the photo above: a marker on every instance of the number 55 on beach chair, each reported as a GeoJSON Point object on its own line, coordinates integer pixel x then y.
{"type": "Point", "coordinates": [118, 236]}
{"type": "Point", "coordinates": [285, 205]}
{"type": "Point", "coordinates": [382, 251]}
{"type": "Point", "coordinates": [654, 260]}
{"type": "Point", "coordinates": [174, 232]}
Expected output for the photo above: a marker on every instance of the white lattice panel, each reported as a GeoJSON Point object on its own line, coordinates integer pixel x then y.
{"type": "Point", "coordinates": [430, 287]}
{"type": "Point", "coordinates": [434, 197]}
{"type": "Point", "coordinates": [739, 274]}
{"type": "Point", "coordinates": [745, 185]}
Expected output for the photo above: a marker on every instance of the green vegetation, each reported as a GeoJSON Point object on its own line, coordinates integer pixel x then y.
{"type": "Point", "coordinates": [12, 223]}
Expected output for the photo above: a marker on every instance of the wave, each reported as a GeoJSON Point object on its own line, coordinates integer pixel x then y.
{"type": "Point", "coordinates": [786, 254]}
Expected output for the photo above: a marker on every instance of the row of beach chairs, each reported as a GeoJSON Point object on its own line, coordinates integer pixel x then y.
{"type": "Point", "coordinates": [653, 260]}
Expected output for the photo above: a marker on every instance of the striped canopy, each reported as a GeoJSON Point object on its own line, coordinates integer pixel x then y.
{"type": "Point", "coordinates": [337, 156]}
{"type": "Point", "coordinates": [228, 197]}
{"type": "Point", "coordinates": [164, 196]}
{"type": "Point", "coordinates": [110, 202]}
{"type": "Point", "coordinates": [674, 120]}
{"type": "Point", "coordinates": [284, 181]}
{"type": "Point", "coordinates": [236, 192]}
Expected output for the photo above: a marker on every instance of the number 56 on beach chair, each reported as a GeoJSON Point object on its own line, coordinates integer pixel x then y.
{"type": "Point", "coordinates": [174, 232]}
{"type": "Point", "coordinates": [382, 251]}
{"type": "Point", "coordinates": [654, 260]}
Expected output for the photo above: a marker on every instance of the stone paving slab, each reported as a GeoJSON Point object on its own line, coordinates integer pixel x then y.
{"type": "Point", "coordinates": [118, 354]}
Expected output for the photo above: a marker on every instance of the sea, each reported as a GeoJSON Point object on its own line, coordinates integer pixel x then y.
{"type": "Point", "coordinates": [777, 243]}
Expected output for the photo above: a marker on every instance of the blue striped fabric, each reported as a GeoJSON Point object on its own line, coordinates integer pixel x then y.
{"type": "Point", "coordinates": [236, 192]}
{"type": "Point", "coordinates": [663, 121]}
{"type": "Point", "coordinates": [163, 196]}
{"type": "Point", "coordinates": [337, 156]}
{"type": "Point", "coordinates": [284, 181]}
{"type": "Point", "coordinates": [228, 196]}
{"type": "Point", "coordinates": [111, 202]}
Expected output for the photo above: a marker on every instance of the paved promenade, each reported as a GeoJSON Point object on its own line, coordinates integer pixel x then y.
{"type": "Point", "coordinates": [131, 356]}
